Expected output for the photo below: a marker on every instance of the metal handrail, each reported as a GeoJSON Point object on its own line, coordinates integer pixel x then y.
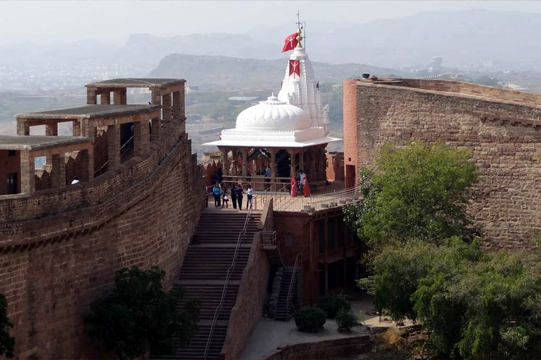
{"type": "Point", "coordinates": [121, 153]}
{"type": "Point", "coordinates": [298, 259]}
{"type": "Point", "coordinates": [228, 276]}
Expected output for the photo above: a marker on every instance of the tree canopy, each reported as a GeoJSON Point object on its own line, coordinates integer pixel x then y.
{"type": "Point", "coordinates": [415, 192]}
{"type": "Point", "coordinates": [138, 316]}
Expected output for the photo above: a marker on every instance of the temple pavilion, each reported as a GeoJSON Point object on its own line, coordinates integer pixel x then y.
{"type": "Point", "coordinates": [287, 132]}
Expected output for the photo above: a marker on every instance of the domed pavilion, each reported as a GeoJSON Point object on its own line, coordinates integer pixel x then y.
{"type": "Point", "coordinates": [287, 132]}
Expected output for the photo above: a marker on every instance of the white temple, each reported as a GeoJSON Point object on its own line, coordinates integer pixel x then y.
{"type": "Point", "coordinates": [287, 133]}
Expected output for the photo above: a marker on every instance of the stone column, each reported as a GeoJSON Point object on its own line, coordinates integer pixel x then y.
{"type": "Point", "coordinates": [23, 128]}
{"type": "Point", "coordinates": [167, 111]}
{"type": "Point", "coordinates": [58, 171]}
{"type": "Point", "coordinates": [322, 164]}
{"type": "Point", "coordinates": [301, 160]}
{"type": "Point", "coordinates": [91, 96]}
{"type": "Point", "coordinates": [113, 147]}
{"type": "Point", "coordinates": [120, 97]}
{"type": "Point", "coordinates": [28, 173]}
{"type": "Point", "coordinates": [87, 166]}
{"type": "Point", "coordinates": [224, 160]}
{"type": "Point", "coordinates": [155, 135]}
{"type": "Point", "coordinates": [273, 161]}
{"type": "Point", "coordinates": [51, 129]}
{"type": "Point", "coordinates": [313, 164]}
{"type": "Point", "coordinates": [155, 97]}
{"type": "Point", "coordinates": [176, 106]}
{"type": "Point", "coordinates": [140, 137]}
{"type": "Point", "coordinates": [77, 128]}
{"type": "Point", "coordinates": [105, 98]}
{"type": "Point", "coordinates": [292, 155]}
{"type": "Point", "coordinates": [244, 161]}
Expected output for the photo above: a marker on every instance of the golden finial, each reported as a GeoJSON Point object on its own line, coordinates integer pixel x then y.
{"type": "Point", "coordinates": [300, 26]}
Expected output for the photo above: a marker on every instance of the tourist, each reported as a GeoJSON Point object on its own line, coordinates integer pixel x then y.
{"type": "Point", "coordinates": [217, 192]}
{"type": "Point", "coordinates": [306, 188]}
{"type": "Point", "coordinates": [234, 196]}
{"type": "Point", "coordinates": [225, 199]}
{"type": "Point", "coordinates": [239, 196]}
{"type": "Point", "coordinates": [250, 193]}
{"type": "Point", "coordinates": [302, 180]}
{"type": "Point", "coordinates": [75, 180]}
{"type": "Point", "coordinates": [294, 189]}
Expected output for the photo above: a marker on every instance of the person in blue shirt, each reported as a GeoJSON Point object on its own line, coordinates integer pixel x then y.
{"type": "Point", "coordinates": [216, 191]}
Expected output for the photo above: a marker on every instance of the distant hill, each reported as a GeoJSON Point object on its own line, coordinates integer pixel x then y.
{"type": "Point", "coordinates": [229, 73]}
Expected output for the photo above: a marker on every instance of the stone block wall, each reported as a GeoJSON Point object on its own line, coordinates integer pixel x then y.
{"type": "Point", "coordinates": [60, 248]}
{"type": "Point", "coordinates": [325, 349]}
{"type": "Point", "coordinates": [503, 135]}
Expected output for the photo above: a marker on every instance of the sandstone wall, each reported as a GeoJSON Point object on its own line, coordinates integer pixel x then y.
{"type": "Point", "coordinates": [325, 349]}
{"type": "Point", "coordinates": [504, 137]}
{"type": "Point", "coordinates": [60, 248]}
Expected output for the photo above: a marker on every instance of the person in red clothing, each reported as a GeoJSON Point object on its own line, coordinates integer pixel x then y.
{"type": "Point", "coordinates": [293, 187]}
{"type": "Point", "coordinates": [306, 188]}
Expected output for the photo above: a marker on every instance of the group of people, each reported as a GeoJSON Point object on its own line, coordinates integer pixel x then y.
{"type": "Point", "coordinates": [299, 183]}
{"type": "Point", "coordinates": [221, 196]}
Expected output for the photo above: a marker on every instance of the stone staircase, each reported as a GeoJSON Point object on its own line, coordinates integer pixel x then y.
{"type": "Point", "coordinates": [203, 276]}
{"type": "Point", "coordinates": [279, 299]}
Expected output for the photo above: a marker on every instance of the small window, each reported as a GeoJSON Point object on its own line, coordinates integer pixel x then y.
{"type": "Point", "coordinates": [12, 183]}
{"type": "Point", "coordinates": [12, 153]}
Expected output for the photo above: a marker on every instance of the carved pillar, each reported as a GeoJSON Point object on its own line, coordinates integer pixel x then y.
{"type": "Point", "coordinates": [113, 147]}
{"type": "Point", "coordinates": [28, 173]}
{"type": "Point", "coordinates": [58, 171]}
{"type": "Point", "coordinates": [23, 128]}
{"type": "Point", "coordinates": [105, 98]}
{"type": "Point", "coordinates": [313, 164]}
{"type": "Point", "coordinates": [225, 160]}
{"type": "Point", "coordinates": [323, 164]}
{"type": "Point", "coordinates": [293, 162]}
{"type": "Point", "coordinates": [273, 161]}
{"type": "Point", "coordinates": [301, 160]}
{"type": "Point", "coordinates": [244, 152]}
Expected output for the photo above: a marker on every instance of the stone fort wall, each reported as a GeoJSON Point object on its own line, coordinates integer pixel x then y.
{"type": "Point", "coordinates": [500, 127]}
{"type": "Point", "coordinates": [60, 248]}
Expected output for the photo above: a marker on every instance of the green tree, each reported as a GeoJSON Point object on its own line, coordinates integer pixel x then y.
{"type": "Point", "coordinates": [7, 343]}
{"type": "Point", "coordinates": [138, 316]}
{"type": "Point", "coordinates": [415, 192]}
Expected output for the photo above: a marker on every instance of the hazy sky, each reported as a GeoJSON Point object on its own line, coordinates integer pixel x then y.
{"type": "Point", "coordinates": [113, 21]}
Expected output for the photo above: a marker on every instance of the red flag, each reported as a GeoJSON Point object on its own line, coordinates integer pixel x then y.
{"type": "Point", "coordinates": [294, 67]}
{"type": "Point", "coordinates": [290, 42]}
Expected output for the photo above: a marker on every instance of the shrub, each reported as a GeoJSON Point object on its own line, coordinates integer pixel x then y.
{"type": "Point", "coordinates": [310, 319]}
{"type": "Point", "coordinates": [345, 320]}
{"type": "Point", "coordinates": [332, 304]}
{"type": "Point", "coordinates": [138, 316]}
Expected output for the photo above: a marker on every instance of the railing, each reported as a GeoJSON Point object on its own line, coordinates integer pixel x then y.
{"type": "Point", "coordinates": [298, 262]}
{"type": "Point", "coordinates": [123, 150]}
{"type": "Point", "coordinates": [268, 238]}
{"type": "Point", "coordinates": [228, 276]}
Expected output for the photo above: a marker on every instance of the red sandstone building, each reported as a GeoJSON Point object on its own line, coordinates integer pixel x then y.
{"type": "Point", "coordinates": [500, 127]}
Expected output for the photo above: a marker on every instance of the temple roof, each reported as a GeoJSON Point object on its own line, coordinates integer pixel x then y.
{"type": "Point", "coordinates": [89, 112]}
{"type": "Point", "coordinates": [14, 142]}
{"type": "Point", "coordinates": [136, 82]}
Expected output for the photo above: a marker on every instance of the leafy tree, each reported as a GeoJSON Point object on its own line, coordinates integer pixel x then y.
{"type": "Point", "coordinates": [138, 316]}
{"type": "Point", "coordinates": [416, 192]}
{"type": "Point", "coordinates": [7, 343]}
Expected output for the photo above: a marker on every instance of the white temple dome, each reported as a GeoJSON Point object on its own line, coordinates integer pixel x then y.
{"type": "Point", "coordinates": [273, 114]}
